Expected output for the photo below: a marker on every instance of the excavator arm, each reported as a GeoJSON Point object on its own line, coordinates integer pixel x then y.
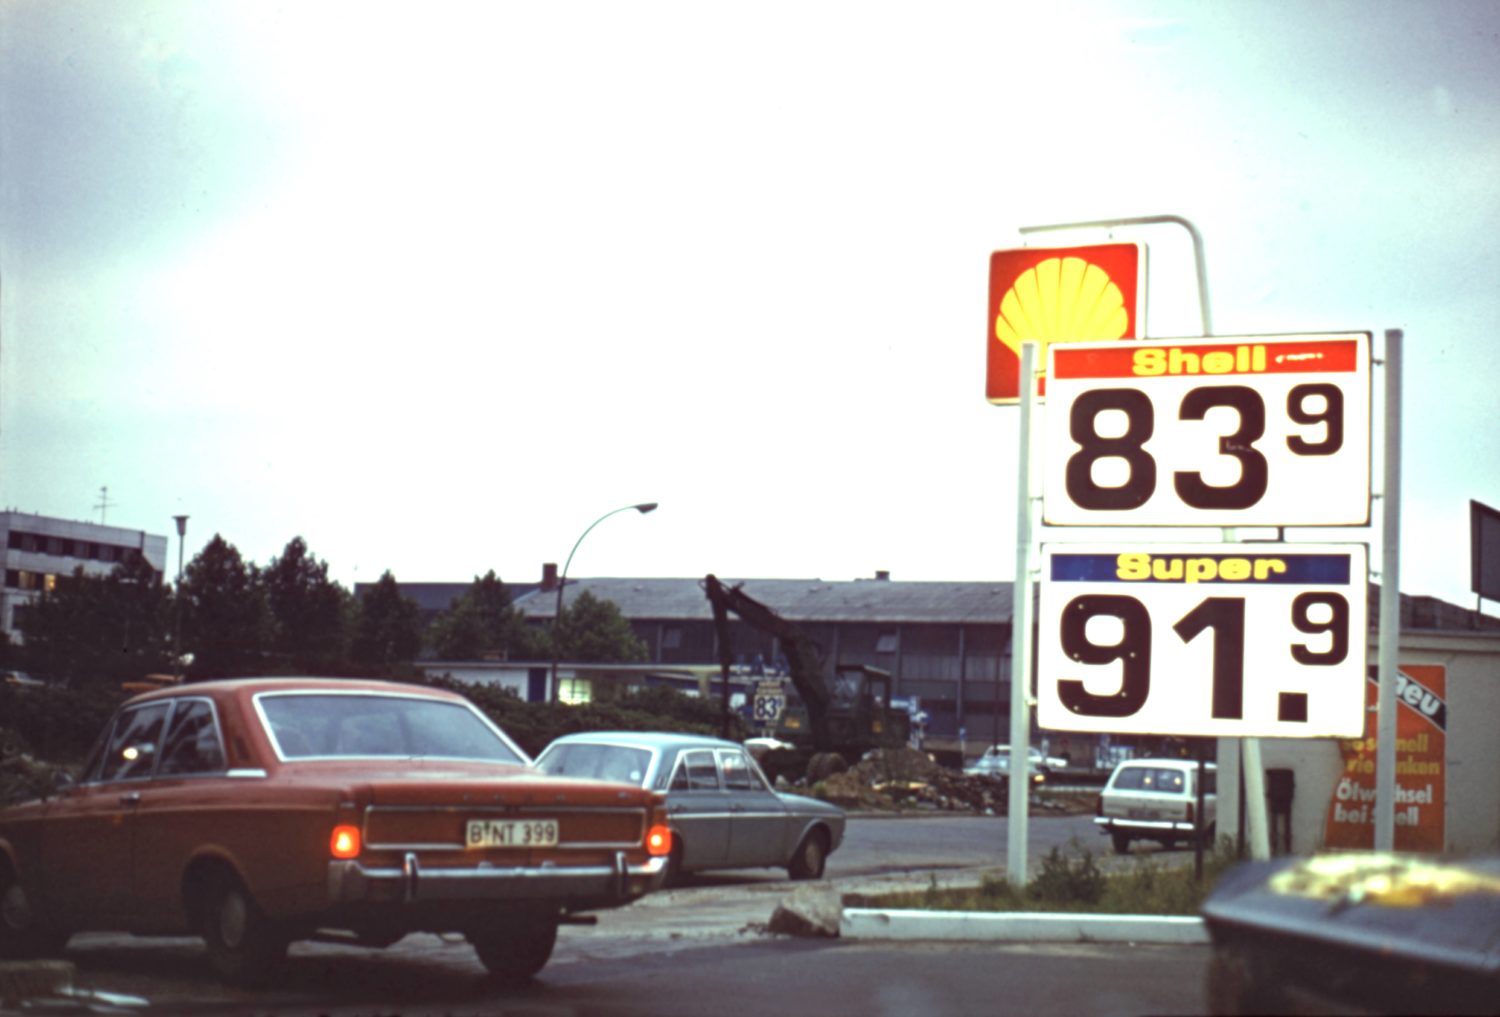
{"type": "Point", "coordinates": [804, 660]}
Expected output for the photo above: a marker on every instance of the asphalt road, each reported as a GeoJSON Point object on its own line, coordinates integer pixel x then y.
{"type": "Point", "coordinates": [702, 948]}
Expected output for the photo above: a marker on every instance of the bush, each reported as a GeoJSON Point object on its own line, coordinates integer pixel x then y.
{"type": "Point", "coordinates": [55, 723]}
{"type": "Point", "coordinates": [1068, 881]}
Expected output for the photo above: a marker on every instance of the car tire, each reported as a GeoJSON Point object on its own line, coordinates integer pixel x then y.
{"type": "Point", "coordinates": [810, 858]}
{"type": "Point", "coordinates": [674, 863]}
{"type": "Point", "coordinates": [244, 946]}
{"type": "Point", "coordinates": [21, 936]}
{"type": "Point", "coordinates": [515, 950]}
{"type": "Point", "coordinates": [1121, 841]}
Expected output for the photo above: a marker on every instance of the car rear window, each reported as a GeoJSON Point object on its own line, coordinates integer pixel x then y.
{"type": "Point", "coordinates": [1150, 778]}
{"type": "Point", "coordinates": [600, 762]}
{"type": "Point", "coordinates": [342, 725]}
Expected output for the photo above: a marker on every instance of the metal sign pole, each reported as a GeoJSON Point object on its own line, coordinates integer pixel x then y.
{"type": "Point", "coordinates": [1390, 603]}
{"type": "Point", "coordinates": [1020, 638]}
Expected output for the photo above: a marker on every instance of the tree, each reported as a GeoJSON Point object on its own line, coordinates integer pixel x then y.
{"type": "Point", "coordinates": [226, 624]}
{"type": "Point", "coordinates": [99, 629]}
{"type": "Point", "coordinates": [483, 623]}
{"type": "Point", "coordinates": [310, 615]}
{"type": "Point", "coordinates": [592, 631]}
{"type": "Point", "coordinates": [389, 627]}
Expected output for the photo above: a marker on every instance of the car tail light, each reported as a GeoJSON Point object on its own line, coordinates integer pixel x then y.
{"type": "Point", "coordinates": [1191, 812]}
{"type": "Point", "coordinates": [344, 843]}
{"type": "Point", "coordinates": [659, 840]}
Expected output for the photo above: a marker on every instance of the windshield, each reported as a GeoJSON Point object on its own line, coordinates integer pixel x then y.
{"type": "Point", "coordinates": [342, 725]}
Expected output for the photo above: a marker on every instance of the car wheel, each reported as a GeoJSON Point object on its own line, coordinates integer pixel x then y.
{"type": "Point", "coordinates": [674, 862]}
{"type": "Point", "coordinates": [811, 857]}
{"type": "Point", "coordinates": [244, 946]}
{"type": "Point", "coordinates": [515, 950]}
{"type": "Point", "coordinates": [1121, 841]}
{"type": "Point", "coordinates": [20, 935]}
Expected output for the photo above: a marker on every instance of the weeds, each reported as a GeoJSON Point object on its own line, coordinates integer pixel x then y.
{"type": "Point", "coordinates": [1071, 880]}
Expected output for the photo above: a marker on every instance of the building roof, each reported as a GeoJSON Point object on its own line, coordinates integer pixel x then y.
{"type": "Point", "coordinates": [803, 600]}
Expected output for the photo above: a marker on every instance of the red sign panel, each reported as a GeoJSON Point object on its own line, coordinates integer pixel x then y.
{"type": "Point", "coordinates": [1421, 766]}
{"type": "Point", "coordinates": [1058, 294]}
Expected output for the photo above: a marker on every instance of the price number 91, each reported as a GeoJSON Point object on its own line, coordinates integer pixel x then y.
{"type": "Point", "coordinates": [1223, 618]}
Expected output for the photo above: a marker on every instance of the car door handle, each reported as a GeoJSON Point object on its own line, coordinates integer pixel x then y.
{"type": "Point", "coordinates": [131, 798]}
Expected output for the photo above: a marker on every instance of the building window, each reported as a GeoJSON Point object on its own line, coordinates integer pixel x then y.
{"type": "Point", "coordinates": [671, 638]}
{"type": "Point", "coordinates": [106, 552]}
{"type": "Point", "coordinates": [13, 579]}
{"type": "Point", "coordinates": [575, 690]}
{"type": "Point", "coordinates": [887, 643]}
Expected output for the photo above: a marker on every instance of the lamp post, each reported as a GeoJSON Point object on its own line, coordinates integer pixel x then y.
{"type": "Point", "coordinates": [562, 581]}
{"type": "Point", "coordinates": [177, 598]}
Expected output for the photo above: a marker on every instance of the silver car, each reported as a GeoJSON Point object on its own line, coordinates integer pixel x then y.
{"type": "Point", "coordinates": [723, 812]}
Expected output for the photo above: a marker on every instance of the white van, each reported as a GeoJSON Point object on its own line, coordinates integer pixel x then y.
{"type": "Point", "coordinates": [1156, 799]}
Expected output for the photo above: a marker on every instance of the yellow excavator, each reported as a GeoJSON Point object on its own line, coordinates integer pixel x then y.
{"type": "Point", "coordinates": [845, 714]}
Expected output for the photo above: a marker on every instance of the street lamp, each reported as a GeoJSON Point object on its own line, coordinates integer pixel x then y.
{"type": "Point", "coordinates": [562, 581]}
{"type": "Point", "coordinates": [177, 598]}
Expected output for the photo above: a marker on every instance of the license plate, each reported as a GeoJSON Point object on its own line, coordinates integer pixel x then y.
{"type": "Point", "coordinates": [1141, 813]}
{"type": "Point", "coordinates": [489, 833]}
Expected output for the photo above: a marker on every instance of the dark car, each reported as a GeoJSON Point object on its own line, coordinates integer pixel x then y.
{"type": "Point", "coordinates": [724, 814]}
{"type": "Point", "coordinates": [255, 812]}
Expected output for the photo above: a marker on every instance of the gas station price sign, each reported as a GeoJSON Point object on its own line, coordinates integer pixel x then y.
{"type": "Point", "coordinates": [1250, 431]}
{"type": "Point", "coordinates": [1211, 640]}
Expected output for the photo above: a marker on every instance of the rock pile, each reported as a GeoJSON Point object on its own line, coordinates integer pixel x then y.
{"type": "Point", "coordinates": [906, 779]}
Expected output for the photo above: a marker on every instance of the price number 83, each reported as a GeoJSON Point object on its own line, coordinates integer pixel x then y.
{"type": "Point", "coordinates": [1302, 406]}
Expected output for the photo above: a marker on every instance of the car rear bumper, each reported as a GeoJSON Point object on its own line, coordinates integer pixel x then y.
{"type": "Point", "coordinates": [572, 887]}
{"type": "Point", "coordinates": [1150, 827]}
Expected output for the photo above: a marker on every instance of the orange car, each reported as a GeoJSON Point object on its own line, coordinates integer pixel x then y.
{"type": "Point", "coordinates": [254, 812]}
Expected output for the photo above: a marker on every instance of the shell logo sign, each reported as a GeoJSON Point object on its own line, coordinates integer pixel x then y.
{"type": "Point", "coordinates": [1058, 294]}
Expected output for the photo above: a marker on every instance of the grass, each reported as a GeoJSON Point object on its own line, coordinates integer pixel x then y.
{"type": "Point", "coordinates": [1072, 881]}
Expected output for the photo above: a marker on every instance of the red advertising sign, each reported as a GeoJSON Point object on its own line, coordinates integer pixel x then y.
{"type": "Point", "coordinates": [1421, 765]}
{"type": "Point", "coordinates": [1058, 294]}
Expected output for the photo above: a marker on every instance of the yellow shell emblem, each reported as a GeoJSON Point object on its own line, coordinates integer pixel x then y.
{"type": "Point", "coordinates": [1060, 300]}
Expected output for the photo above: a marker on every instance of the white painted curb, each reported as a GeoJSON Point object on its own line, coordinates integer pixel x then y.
{"type": "Point", "coordinates": [1020, 927]}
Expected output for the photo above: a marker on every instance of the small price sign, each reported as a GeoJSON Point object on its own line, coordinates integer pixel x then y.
{"type": "Point", "coordinates": [1206, 640]}
{"type": "Point", "coordinates": [769, 704]}
{"type": "Point", "coordinates": [1253, 431]}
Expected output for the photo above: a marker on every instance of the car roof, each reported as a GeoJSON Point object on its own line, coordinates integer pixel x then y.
{"type": "Point", "coordinates": [233, 686]}
{"type": "Point", "coordinates": [656, 740]}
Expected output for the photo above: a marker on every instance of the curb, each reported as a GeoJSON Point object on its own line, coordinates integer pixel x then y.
{"type": "Point", "coordinates": [1021, 927]}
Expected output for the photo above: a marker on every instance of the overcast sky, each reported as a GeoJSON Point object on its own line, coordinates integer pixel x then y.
{"type": "Point", "coordinates": [434, 286]}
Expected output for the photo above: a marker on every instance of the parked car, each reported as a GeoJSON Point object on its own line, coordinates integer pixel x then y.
{"type": "Point", "coordinates": [254, 812]}
{"type": "Point", "coordinates": [1156, 799]}
{"type": "Point", "coordinates": [995, 762]}
{"type": "Point", "coordinates": [723, 812]}
{"type": "Point", "coordinates": [21, 679]}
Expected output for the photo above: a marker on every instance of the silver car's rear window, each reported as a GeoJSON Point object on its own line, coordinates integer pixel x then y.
{"type": "Point", "coordinates": [341, 725]}
{"type": "Point", "coordinates": [601, 762]}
